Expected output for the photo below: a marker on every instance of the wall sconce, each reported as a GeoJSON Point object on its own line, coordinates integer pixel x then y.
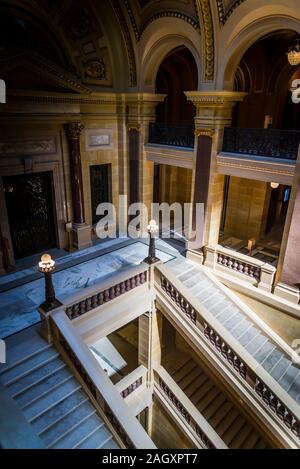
{"type": "Point", "coordinates": [274, 185]}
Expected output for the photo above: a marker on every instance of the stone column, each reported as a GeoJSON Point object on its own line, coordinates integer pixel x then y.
{"type": "Point", "coordinates": [213, 113]}
{"type": "Point", "coordinates": [288, 273]}
{"type": "Point", "coordinates": [134, 163]}
{"type": "Point", "coordinates": [140, 112]}
{"type": "Point", "coordinates": [81, 231]}
{"type": "Point", "coordinates": [149, 348]}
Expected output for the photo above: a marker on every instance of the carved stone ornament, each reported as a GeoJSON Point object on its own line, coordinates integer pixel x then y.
{"type": "Point", "coordinates": [204, 132]}
{"type": "Point", "coordinates": [73, 129]}
{"type": "Point", "coordinates": [81, 26]}
{"type": "Point", "coordinates": [95, 69]}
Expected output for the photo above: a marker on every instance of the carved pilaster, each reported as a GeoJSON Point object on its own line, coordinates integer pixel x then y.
{"type": "Point", "coordinates": [81, 231]}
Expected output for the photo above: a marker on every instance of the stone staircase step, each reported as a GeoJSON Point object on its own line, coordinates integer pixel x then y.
{"type": "Point", "coordinates": [241, 437]}
{"type": "Point", "coordinates": [58, 410]}
{"type": "Point", "coordinates": [68, 423]}
{"type": "Point", "coordinates": [38, 388]}
{"type": "Point", "coordinates": [98, 436]}
{"type": "Point", "coordinates": [190, 378]}
{"type": "Point", "coordinates": [280, 368]}
{"type": "Point", "coordinates": [183, 371]}
{"type": "Point", "coordinates": [40, 406]}
{"type": "Point", "coordinates": [214, 406]}
{"type": "Point", "coordinates": [221, 415]}
{"type": "Point", "coordinates": [234, 430]}
{"type": "Point", "coordinates": [79, 433]}
{"type": "Point", "coordinates": [19, 372]}
{"type": "Point", "coordinates": [35, 375]}
{"type": "Point", "coordinates": [208, 399]}
{"type": "Point", "coordinates": [226, 423]}
{"type": "Point", "coordinates": [195, 386]}
{"type": "Point", "coordinates": [28, 361]}
{"type": "Point", "coordinates": [289, 377]}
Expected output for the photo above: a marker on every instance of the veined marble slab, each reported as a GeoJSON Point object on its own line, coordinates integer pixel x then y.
{"type": "Point", "coordinates": [18, 306]}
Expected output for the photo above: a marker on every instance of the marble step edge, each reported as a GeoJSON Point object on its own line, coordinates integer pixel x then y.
{"type": "Point", "coordinates": [21, 360]}
{"type": "Point", "coordinates": [273, 336]}
{"type": "Point", "coordinates": [73, 427]}
{"type": "Point", "coordinates": [92, 432]}
{"type": "Point", "coordinates": [31, 370]}
{"type": "Point", "coordinates": [39, 380]}
{"type": "Point", "coordinates": [48, 391]}
{"type": "Point", "coordinates": [52, 424]}
{"type": "Point", "coordinates": [63, 398]}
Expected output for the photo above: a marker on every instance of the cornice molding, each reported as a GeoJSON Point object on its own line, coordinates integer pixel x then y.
{"type": "Point", "coordinates": [59, 76]}
{"type": "Point", "coordinates": [223, 16]}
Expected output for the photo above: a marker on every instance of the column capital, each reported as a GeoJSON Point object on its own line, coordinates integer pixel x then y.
{"type": "Point", "coordinates": [141, 106]}
{"type": "Point", "coordinates": [213, 108]}
{"type": "Point", "coordinates": [214, 98]}
{"type": "Point", "coordinates": [133, 126]}
{"type": "Point", "coordinates": [205, 131]}
{"type": "Point", "coordinates": [73, 129]}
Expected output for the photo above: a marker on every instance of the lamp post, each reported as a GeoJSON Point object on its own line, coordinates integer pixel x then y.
{"type": "Point", "coordinates": [47, 266]}
{"type": "Point", "coordinates": [152, 228]}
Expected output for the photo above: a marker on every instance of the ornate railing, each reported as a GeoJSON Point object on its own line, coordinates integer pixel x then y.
{"type": "Point", "coordinates": [233, 263]}
{"type": "Point", "coordinates": [227, 352]}
{"type": "Point", "coordinates": [248, 268]}
{"type": "Point", "coordinates": [132, 387]}
{"type": "Point", "coordinates": [179, 135]}
{"type": "Point", "coordinates": [271, 143]}
{"type": "Point", "coordinates": [97, 299]}
{"type": "Point", "coordinates": [245, 368]}
{"type": "Point", "coordinates": [122, 424]}
{"type": "Point", "coordinates": [191, 416]}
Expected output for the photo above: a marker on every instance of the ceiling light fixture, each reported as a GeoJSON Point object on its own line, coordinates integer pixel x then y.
{"type": "Point", "coordinates": [293, 53]}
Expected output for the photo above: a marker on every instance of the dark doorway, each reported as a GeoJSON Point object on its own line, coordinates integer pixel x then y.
{"type": "Point", "coordinates": [29, 200]}
{"type": "Point", "coordinates": [278, 207]}
{"type": "Point", "coordinates": [100, 176]}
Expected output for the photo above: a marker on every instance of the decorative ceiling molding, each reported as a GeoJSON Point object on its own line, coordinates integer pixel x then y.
{"type": "Point", "coordinates": [127, 38]}
{"type": "Point", "coordinates": [43, 66]}
{"type": "Point", "coordinates": [194, 22]}
{"type": "Point", "coordinates": [132, 20]}
{"type": "Point", "coordinates": [223, 14]}
{"type": "Point", "coordinates": [205, 15]}
{"type": "Point", "coordinates": [172, 14]}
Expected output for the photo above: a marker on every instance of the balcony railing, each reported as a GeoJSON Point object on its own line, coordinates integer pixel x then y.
{"type": "Point", "coordinates": [178, 135]}
{"type": "Point", "coordinates": [272, 143]}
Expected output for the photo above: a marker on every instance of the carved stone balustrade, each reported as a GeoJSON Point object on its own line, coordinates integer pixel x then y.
{"type": "Point", "coordinates": [240, 266]}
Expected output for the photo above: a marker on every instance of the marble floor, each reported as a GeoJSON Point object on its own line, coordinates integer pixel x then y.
{"type": "Point", "coordinates": [18, 306]}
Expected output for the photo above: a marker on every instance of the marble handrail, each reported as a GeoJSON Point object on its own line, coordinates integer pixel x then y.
{"type": "Point", "coordinates": [71, 345]}
{"type": "Point", "coordinates": [264, 385]}
{"type": "Point", "coordinates": [188, 411]}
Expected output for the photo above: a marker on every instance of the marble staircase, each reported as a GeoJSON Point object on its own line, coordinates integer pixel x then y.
{"type": "Point", "coordinates": [53, 402]}
{"type": "Point", "coordinates": [242, 326]}
{"type": "Point", "coordinates": [220, 412]}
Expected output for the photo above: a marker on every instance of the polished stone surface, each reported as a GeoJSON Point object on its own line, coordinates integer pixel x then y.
{"type": "Point", "coordinates": [18, 305]}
